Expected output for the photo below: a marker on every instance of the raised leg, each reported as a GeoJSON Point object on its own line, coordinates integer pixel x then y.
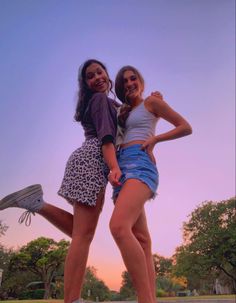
{"type": "Point", "coordinates": [60, 218]}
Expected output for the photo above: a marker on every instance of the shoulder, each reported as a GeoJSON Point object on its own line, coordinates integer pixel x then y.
{"type": "Point", "coordinates": [155, 104]}
{"type": "Point", "coordinates": [99, 101]}
{"type": "Point", "coordinates": [153, 100]}
{"type": "Point", "coordinates": [98, 97]}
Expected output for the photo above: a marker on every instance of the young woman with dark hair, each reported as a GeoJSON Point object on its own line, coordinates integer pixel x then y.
{"type": "Point", "coordinates": [85, 177]}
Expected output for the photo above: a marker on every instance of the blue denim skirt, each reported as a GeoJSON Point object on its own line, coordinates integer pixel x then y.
{"type": "Point", "coordinates": [136, 164]}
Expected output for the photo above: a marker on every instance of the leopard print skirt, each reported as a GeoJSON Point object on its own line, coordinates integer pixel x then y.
{"type": "Point", "coordinates": [85, 174]}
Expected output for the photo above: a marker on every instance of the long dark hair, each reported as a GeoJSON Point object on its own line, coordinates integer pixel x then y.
{"type": "Point", "coordinates": [85, 93]}
{"type": "Point", "coordinates": [119, 82]}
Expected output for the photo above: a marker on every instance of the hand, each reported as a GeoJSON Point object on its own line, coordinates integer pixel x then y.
{"type": "Point", "coordinates": [114, 177]}
{"type": "Point", "coordinates": [148, 145]}
{"type": "Point", "coordinates": [157, 94]}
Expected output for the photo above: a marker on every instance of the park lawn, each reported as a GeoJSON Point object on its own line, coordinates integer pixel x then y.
{"type": "Point", "coordinates": [33, 301]}
{"type": "Point", "coordinates": [169, 299]}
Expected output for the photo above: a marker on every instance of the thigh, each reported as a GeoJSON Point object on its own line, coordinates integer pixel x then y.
{"type": "Point", "coordinates": [130, 201]}
{"type": "Point", "coordinates": [86, 217]}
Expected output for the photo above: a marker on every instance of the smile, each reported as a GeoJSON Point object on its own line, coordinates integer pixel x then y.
{"type": "Point", "coordinates": [131, 90]}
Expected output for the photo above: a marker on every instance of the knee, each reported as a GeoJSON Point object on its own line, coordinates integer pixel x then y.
{"type": "Point", "coordinates": [144, 240]}
{"type": "Point", "coordinates": [118, 231]}
{"type": "Point", "coordinates": [88, 235]}
{"type": "Point", "coordinates": [84, 235]}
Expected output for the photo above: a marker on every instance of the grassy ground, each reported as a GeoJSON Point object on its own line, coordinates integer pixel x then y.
{"type": "Point", "coordinates": [198, 298]}
{"type": "Point", "coordinates": [163, 299]}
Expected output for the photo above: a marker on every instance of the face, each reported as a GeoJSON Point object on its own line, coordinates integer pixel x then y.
{"type": "Point", "coordinates": [97, 78]}
{"type": "Point", "coordinates": [132, 85]}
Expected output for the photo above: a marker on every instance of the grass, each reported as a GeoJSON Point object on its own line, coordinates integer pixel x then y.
{"type": "Point", "coordinates": [33, 301]}
{"type": "Point", "coordinates": [198, 297]}
{"type": "Point", "coordinates": [163, 299]}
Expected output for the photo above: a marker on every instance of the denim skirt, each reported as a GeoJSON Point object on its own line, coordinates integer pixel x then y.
{"type": "Point", "coordinates": [136, 164]}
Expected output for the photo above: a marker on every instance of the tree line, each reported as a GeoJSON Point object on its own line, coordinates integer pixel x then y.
{"type": "Point", "coordinates": [207, 255]}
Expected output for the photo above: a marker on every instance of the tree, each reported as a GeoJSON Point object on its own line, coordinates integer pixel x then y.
{"type": "Point", "coordinates": [94, 288]}
{"type": "Point", "coordinates": [209, 243]}
{"type": "Point", "coordinates": [167, 282]}
{"type": "Point", "coordinates": [163, 266]}
{"type": "Point", "coordinates": [43, 257]}
{"type": "Point", "coordinates": [127, 290]}
{"type": "Point", "coordinates": [13, 282]}
{"type": "Point", "coordinates": [3, 228]}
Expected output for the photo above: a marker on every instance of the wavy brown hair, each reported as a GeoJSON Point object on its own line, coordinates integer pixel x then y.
{"type": "Point", "coordinates": [85, 94]}
{"type": "Point", "coordinates": [119, 82]}
{"type": "Point", "coordinates": [120, 92]}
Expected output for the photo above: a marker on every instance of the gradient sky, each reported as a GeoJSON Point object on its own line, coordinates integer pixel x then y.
{"type": "Point", "coordinates": [183, 48]}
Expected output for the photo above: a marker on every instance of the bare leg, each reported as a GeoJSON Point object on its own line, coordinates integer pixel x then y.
{"type": "Point", "coordinates": [128, 208]}
{"type": "Point", "coordinates": [84, 226]}
{"type": "Point", "coordinates": [141, 232]}
{"type": "Point", "coordinates": [60, 218]}
{"type": "Point", "coordinates": [30, 198]}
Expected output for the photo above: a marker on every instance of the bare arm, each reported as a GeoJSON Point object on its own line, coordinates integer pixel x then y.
{"type": "Point", "coordinates": [109, 154]}
{"type": "Point", "coordinates": [161, 109]}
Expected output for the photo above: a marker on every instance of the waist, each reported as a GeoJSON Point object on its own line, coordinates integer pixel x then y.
{"type": "Point", "coordinates": [140, 142]}
{"type": "Point", "coordinates": [136, 135]}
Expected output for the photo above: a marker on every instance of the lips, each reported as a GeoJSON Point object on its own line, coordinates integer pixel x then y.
{"type": "Point", "coordinates": [131, 90]}
{"type": "Point", "coordinates": [99, 84]}
{"type": "Point", "coordinates": [102, 85]}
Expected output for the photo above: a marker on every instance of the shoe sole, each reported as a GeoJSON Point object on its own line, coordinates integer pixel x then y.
{"type": "Point", "coordinates": [20, 195]}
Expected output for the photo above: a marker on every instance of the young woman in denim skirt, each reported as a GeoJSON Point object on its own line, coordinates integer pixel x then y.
{"type": "Point", "coordinates": [85, 177]}
{"type": "Point", "coordinates": [139, 179]}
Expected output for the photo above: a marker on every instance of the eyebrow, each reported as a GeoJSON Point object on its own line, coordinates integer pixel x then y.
{"type": "Point", "coordinates": [97, 69]}
{"type": "Point", "coordinates": [133, 75]}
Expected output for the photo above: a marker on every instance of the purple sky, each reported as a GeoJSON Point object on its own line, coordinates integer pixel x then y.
{"type": "Point", "coordinates": [183, 48]}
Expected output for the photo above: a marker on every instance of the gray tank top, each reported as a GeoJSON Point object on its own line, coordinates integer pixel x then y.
{"type": "Point", "coordinates": [140, 125]}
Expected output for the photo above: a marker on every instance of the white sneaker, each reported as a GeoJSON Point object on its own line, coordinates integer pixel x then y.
{"type": "Point", "coordinates": [29, 198]}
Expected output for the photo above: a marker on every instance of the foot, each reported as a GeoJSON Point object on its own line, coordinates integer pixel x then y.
{"type": "Point", "coordinates": [29, 198]}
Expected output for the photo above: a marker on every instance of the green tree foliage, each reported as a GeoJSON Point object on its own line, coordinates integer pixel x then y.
{"type": "Point", "coordinates": [127, 290]}
{"type": "Point", "coordinates": [94, 289]}
{"type": "Point", "coordinates": [13, 282]}
{"type": "Point", "coordinates": [3, 228]}
{"type": "Point", "coordinates": [167, 283]}
{"type": "Point", "coordinates": [43, 257]}
{"type": "Point", "coordinates": [163, 266]}
{"type": "Point", "coordinates": [209, 248]}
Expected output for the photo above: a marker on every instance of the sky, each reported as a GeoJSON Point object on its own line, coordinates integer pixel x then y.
{"type": "Point", "coordinates": [183, 48]}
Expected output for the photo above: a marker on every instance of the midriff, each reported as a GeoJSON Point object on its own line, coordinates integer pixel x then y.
{"type": "Point", "coordinates": [132, 143]}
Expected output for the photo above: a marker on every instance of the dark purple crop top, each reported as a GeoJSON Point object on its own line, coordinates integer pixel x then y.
{"type": "Point", "coordinates": [100, 118]}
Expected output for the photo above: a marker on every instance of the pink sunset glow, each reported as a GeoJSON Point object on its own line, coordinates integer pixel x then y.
{"type": "Point", "coordinates": [183, 48]}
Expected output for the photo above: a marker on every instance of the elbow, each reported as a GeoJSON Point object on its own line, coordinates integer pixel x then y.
{"type": "Point", "coordinates": [188, 129]}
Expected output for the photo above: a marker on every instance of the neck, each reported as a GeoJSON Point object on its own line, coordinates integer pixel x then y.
{"type": "Point", "coordinates": [136, 101]}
